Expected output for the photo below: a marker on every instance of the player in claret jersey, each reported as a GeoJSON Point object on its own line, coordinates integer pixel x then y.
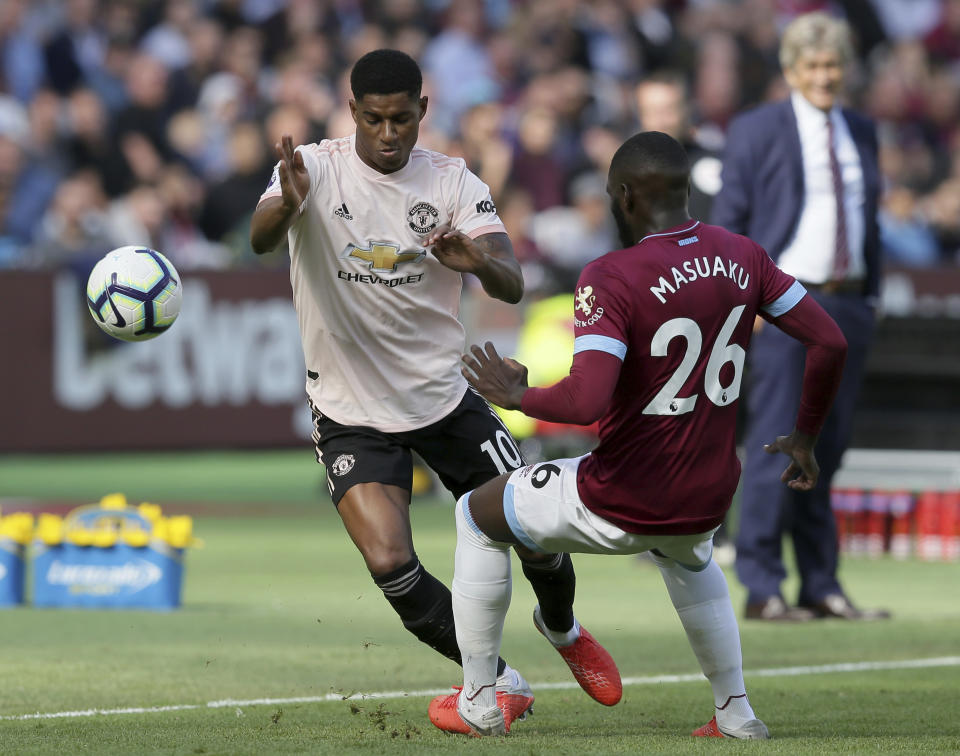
{"type": "Point", "coordinates": [380, 233]}
{"type": "Point", "coordinates": [661, 332]}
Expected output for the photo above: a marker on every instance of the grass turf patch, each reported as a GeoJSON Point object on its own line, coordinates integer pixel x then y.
{"type": "Point", "coordinates": [280, 606]}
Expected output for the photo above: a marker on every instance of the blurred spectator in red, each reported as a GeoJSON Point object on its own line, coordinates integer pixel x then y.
{"type": "Point", "coordinates": [536, 168]}
{"type": "Point", "coordinates": [943, 41]}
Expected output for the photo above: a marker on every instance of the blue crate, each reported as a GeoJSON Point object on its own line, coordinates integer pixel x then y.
{"type": "Point", "coordinates": [120, 576]}
{"type": "Point", "coordinates": [11, 572]}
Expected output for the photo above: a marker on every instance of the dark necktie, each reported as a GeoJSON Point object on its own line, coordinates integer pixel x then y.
{"type": "Point", "coordinates": [841, 251]}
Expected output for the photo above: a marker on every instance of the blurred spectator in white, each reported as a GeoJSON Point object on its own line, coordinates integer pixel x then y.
{"type": "Point", "coordinates": [459, 65]}
{"type": "Point", "coordinates": [908, 20]}
{"type": "Point", "coordinates": [220, 105]}
{"type": "Point", "coordinates": [571, 236]}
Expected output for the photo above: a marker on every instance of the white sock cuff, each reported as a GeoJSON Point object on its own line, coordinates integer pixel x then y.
{"type": "Point", "coordinates": [466, 525]}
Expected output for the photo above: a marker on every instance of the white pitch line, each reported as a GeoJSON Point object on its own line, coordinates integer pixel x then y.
{"type": "Point", "coordinates": [942, 661]}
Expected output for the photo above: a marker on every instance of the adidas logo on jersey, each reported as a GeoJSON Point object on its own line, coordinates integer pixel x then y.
{"type": "Point", "coordinates": [342, 212]}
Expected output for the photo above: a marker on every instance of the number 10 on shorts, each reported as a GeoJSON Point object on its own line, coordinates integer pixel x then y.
{"type": "Point", "coordinates": [504, 451]}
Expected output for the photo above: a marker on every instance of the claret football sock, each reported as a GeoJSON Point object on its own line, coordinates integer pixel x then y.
{"type": "Point", "coordinates": [702, 601]}
{"type": "Point", "coordinates": [555, 584]}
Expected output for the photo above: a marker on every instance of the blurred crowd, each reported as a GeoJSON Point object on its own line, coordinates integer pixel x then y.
{"type": "Point", "coordinates": [153, 121]}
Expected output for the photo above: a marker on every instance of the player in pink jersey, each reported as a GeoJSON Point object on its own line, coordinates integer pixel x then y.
{"type": "Point", "coordinates": [662, 328]}
{"type": "Point", "coordinates": [380, 233]}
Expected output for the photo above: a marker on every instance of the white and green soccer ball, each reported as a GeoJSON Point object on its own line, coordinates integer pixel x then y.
{"type": "Point", "coordinates": [134, 293]}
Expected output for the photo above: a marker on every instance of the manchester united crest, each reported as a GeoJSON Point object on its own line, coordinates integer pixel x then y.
{"type": "Point", "coordinates": [343, 464]}
{"type": "Point", "coordinates": [423, 218]}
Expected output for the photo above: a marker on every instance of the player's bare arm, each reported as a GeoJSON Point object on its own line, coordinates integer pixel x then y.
{"type": "Point", "coordinates": [273, 217]}
{"type": "Point", "coordinates": [502, 381]}
{"type": "Point", "coordinates": [489, 257]}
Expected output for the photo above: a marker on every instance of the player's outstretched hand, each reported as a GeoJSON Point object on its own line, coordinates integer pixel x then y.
{"type": "Point", "coordinates": [502, 381]}
{"type": "Point", "coordinates": [803, 471]}
{"type": "Point", "coordinates": [456, 250]}
{"type": "Point", "coordinates": [294, 179]}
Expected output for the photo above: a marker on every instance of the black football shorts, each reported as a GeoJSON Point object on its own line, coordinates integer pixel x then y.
{"type": "Point", "coordinates": [466, 448]}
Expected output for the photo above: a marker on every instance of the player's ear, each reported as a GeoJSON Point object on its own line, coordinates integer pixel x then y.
{"type": "Point", "coordinates": [353, 109]}
{"type": "Point", "coordinates": [627, 198]}
{"type": "Point", "coordinates": [423, 107]}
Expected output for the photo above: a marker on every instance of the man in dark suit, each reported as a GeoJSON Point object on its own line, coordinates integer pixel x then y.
{"type": "Point", "coordinates": [800, 177]}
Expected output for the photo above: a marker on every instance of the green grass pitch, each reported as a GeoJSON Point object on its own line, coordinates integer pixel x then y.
{"type": "Point", "coordinates": [278, 606]}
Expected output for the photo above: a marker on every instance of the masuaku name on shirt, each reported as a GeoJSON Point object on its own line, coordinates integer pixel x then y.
{"type": "Point", "coordinates": [699, 267]}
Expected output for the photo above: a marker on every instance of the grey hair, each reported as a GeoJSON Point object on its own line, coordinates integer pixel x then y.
{"type": "Point", "coordinates": [815, 31]}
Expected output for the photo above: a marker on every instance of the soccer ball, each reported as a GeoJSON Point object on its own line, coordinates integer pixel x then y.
{"type": "Point", "coordinates": [134, 293]}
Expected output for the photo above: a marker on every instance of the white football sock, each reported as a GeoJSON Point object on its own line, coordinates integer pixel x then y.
{"type": "Point", "coordinates": [481, 596]}
{"type": "Point", "coordinates": [703, 602]}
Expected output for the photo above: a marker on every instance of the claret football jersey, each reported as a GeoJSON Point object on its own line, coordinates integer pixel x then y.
{"type": "Point", "coordinates": [378, 313]}
{"type": "Point", "coordinates": [678, 308]}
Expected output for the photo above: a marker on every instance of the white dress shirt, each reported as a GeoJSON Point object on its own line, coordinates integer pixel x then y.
{"type": "Point", "coordinates": [809, 255]}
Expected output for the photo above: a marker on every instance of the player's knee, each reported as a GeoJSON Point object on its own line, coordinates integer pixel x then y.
{"type": "Point", "coordinates": [383, 560]}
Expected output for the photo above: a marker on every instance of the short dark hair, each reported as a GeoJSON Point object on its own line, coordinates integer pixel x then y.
{"type": "Point", "coordinates": [651, 153]}
{"type": "Point", "coordinates": [385, 72]}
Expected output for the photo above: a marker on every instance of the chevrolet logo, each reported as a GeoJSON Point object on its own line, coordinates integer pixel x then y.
{"type": "Point", "coordinates": [383, 256]}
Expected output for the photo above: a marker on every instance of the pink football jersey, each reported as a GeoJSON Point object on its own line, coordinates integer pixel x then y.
{"type": "Point", "coordinates": [678, 308]}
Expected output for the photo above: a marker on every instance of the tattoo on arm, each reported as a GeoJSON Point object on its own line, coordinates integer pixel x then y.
{"type": "Point", "coordinates": [496, 245]}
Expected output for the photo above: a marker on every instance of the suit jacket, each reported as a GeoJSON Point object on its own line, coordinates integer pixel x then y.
{"type": "Point", "coordinates": [763, 193]}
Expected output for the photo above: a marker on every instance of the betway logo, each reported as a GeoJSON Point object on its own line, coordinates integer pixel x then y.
{"type": "Point", "coordinates": [216, 353]}
{"type": "Point", "coordinates": [132, 576]}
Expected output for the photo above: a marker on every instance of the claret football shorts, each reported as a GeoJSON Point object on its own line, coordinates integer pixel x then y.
{"type": "Point", "coordinates": [545, 513]}
{"type": "Point", "coordinates": [466, 448]}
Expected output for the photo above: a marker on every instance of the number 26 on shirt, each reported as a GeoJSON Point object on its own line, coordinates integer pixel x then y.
{"type": "Point", "coordinates": [666, 402]}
